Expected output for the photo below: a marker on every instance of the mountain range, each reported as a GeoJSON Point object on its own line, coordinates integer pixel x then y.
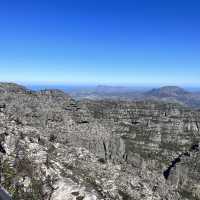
{"type": "Point", "coordinates": [171, 94]}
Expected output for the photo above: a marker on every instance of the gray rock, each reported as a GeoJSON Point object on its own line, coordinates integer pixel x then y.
{"type": "Point", "coordinates": [58, 148]}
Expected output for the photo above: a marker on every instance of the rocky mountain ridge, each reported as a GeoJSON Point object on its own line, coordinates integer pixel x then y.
{"type": "Point", "coordinates": [57, 148]}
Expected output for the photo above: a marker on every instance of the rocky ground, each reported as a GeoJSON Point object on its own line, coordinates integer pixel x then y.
{"type": "Point", "coordinates": [56, 148]}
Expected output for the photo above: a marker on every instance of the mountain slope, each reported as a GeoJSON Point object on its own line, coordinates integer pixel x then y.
{"type": "Point", "coordinates": [58, 148]}
{"type": "Point", "coordinates": [168, 91]}
{"type": "Point", "coordinates": [174, 94]}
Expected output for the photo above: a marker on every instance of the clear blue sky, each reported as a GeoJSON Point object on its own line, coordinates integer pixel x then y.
{"type": "Point", "coordinates": [100, 41]}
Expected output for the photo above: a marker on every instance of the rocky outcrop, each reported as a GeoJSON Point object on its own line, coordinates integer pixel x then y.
{"type": "Point", "coordinates": [57, 148]}
{"type": "Point", "coordinates": [156, 136]}
{"type": "Point", "coordinates": [12, 88]}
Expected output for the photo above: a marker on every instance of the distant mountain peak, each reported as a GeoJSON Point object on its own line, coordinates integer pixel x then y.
{"type": "Point", "coordinates": [167, 91]}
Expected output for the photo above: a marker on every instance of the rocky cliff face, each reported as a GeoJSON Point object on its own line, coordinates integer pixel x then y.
{"type": "Point", "coordinates": [160, 137]}
{"type": "Point", "coordinates": [56, 148]}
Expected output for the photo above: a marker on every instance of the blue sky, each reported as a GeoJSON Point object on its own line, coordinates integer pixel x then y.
{"type": "Point", "coordinates": [126, 42]}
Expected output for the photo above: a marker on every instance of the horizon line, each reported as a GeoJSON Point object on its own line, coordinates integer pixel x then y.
{"type": "Point", "coordinates": [122, 84]}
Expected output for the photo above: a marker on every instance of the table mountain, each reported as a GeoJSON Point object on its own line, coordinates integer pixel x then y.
{"type": "Point", "coordinates": [56, 148]}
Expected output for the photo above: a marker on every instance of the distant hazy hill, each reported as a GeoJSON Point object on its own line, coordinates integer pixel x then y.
{"type": "Point", "coordinates": [168, 91]}
{"type": "Point", "coordinates": [113, 89]}
{"type": "Point", "coordinates": [168, 94]}
{"type": "Point", "coordinates": [175, 94]}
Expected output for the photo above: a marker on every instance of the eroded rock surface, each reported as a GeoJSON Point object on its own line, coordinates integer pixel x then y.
{"type": "Point", "coordinates": [57, 148]}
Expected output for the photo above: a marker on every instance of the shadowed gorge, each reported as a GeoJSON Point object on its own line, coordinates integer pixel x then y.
{"type": "Point", "coordinates": [166, 173]}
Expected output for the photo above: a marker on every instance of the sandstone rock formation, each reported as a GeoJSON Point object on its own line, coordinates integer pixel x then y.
{"type": "Point", "coordinates": [56, 148]}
